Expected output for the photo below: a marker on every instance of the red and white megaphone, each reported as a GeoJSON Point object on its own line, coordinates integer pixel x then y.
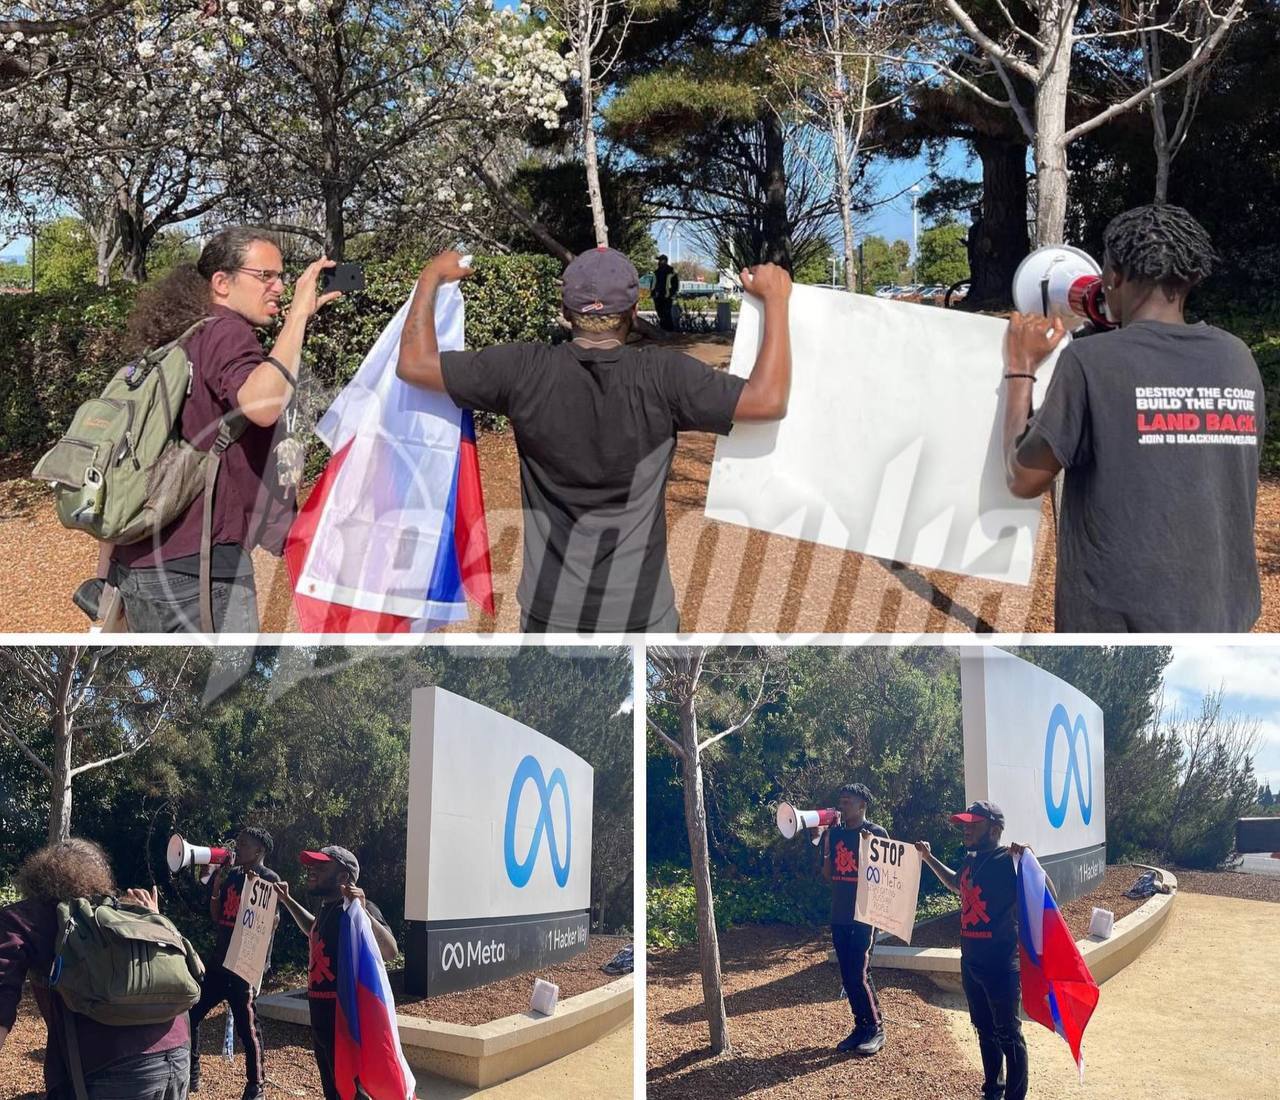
{"type": "Point", "coordinates": [1061, 281]}
{"type": "Point", "coordinates": [792, 821]}
{"type": "Point", "coordinates": [181, 854]}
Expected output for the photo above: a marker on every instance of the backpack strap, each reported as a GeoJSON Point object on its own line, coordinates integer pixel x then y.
{"type": "Point", "coordinates": [75, 1067]}
{"type": "Point", "coordinates": [229, 429]}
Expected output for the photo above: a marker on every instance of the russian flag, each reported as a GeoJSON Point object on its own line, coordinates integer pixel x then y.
{"type": "Point", "coordinates": [366, 1042]}
{"type": "Point", "coordinates": [1057, 989]}
{"type": "Point", "coordinates": [393, 536]}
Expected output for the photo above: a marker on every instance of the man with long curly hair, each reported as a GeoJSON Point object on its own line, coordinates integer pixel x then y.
{"type": "Point", "coordinates": [1158, 425]}
{"type": "Point", "coordinates": [147, 1062]}
{"type": "Point", "coordinates": [237, 284]}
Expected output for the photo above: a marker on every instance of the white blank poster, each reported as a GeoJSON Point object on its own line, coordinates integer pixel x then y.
{"type": "Point", "coordinates": [891, 444]}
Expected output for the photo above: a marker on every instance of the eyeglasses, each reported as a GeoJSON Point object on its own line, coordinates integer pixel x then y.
{"type": "Point", "coordinates": [266, 277]}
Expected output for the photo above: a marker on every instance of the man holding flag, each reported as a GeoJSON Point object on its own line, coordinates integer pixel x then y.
{"type": "Point", "coordinates": [987, 883]}
{"type": "Point", "coordinates": [353, 1034]}
{"type": "Point", "coordinates": [1008, 916]}
{"type": "Point", "coordinates": [595, 424]}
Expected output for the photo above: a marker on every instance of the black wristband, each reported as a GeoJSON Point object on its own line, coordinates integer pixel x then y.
{"type": "Point", "coordinates": [284, 370]}
{"type": "Point", "coordinates": [1017, 374]}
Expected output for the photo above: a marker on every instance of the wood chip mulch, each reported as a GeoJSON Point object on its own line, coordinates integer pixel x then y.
{"type": "Point", "coordinates": [727, 578]}
{"type": "Point", "coordinates": [945, 931]}
{"type": "Point", "coordinates": [290, 1063]}
{"type": "Point", "coordinates": [785, 1019]}
{"type": "Point", "coordinates": [1229, 884]}
{"type": "Point", "coordinates": [510, 996]}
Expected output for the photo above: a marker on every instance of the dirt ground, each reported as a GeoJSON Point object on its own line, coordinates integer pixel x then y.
{"type": "Point", "coordinates": [785, 1018]}
{"type": "Point", "coordinates": [1194, 1016]}
{"type": "Point", "coordinates": [727, 579]}
{"type": "Point", "coordinates": [602, 1069]}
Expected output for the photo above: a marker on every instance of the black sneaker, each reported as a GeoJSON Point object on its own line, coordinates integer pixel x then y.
{"type": "Point", "coordinates": [850, 1041]}
{"type": "Point", "coordinates": [872, 1044]}
{"type": "Point", "coordinates": [252, 1092]}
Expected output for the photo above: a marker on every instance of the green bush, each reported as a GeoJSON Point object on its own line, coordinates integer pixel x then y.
{"type": "Point", "coordinates": [59, 349]}
{"type": "Point", "coordinates": [672, 908]}
{"type": "Point", "coordinates": [56, 350]}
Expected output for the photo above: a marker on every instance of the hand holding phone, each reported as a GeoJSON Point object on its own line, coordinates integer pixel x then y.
{"type": "Point", "coordinates": [342, 277]}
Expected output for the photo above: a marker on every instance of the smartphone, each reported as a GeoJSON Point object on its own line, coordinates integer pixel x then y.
{"type": "Point", "coordinates": [344, 277]}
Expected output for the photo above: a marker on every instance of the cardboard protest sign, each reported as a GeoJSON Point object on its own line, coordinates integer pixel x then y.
{"type": "Point", "coordinates": [892, 443]}
{"type": "Point", "coordinates": [255, 925]}
{"type": "Point", "coordinates": [888, 885]}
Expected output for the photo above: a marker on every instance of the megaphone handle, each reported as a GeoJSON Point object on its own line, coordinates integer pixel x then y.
{"type": "Point", "coordinates": [1044, 295]}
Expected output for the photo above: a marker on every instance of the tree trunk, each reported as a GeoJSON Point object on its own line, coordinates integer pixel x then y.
{"type": "Point", "coordinates": [108, 242]}
{"type": "Point", "coordinates": [589, 155]}
{"type": "Point", "coordinates": [1051, 129]}
{"type": "Point", "coordinates": [335, 230]}
{"type": "Point", "coordinates": [695, 820]}
{"type": "Point", "coordinates": [1164, 162]}
{"type": "Point", "coordinates": [843, 188]}
{"type": "Point", "coordinates": [60, 783]}
{"type": "Point", "coordinates": [133, 244]}
{"type": "Point", "coordinates": [777, 225]}
{"type": "Point", "coordinates": [998, 239]}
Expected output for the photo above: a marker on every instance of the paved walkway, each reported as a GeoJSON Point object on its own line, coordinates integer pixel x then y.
{"type": "Point", "coordinates": [600, 1070]}
{"type": "Point", "coordinates": [1196, 1015]}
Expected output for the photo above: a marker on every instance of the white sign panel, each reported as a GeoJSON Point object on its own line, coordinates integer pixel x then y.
{"type": "Point", "coordinates": [891, 445]}
{"type": "Point", "coordinates": [888, 885]}
{"type": "Point", "coordinates": [255, 925]}
{"type": "Point", "coordinates": [1033, 745]}
{"type": "Point", "coordinates": [499, 816]}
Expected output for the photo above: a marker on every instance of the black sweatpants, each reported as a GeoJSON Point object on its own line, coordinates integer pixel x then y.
{"type": "Point", "coordinates": [994, 999]}
{"type": "Point", "coordinates": [219, 985]}
{"type": "Point", "coordinates": [853, 943]}
{"type": "Point", "coordinates": [323, 1023]}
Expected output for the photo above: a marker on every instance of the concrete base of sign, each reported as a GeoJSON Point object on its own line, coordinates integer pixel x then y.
{"type": "Point", "coordinates": [486, 1054]}
{"type": "Point", "coordinates": [1105, 958]}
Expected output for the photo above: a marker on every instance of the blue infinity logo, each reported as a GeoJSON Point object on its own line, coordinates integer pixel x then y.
{"type": "Point", "coordinates": [873, 874]}
{"type": "Point", "coordinates": [519, 872]}
{"type": "Point", "coordinates": [1077, 734]}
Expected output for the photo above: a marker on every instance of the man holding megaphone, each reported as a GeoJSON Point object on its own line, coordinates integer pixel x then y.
{"type": "Point", "coordinates": [1158, 426]}
{"type": "Point", "coordinates": [852, 939]}
{"type": "Point", "coordinates": [253, 845]}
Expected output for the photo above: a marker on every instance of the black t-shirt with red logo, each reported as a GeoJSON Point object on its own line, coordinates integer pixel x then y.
{"type": "Point", "coordinates": [322, 974]}
{"type": "Point", "coordinates": [989, 910]}
{"type": "Point", "coordinates": [842, 847]}
{"type": "Point", "coordinates": [229, 892]}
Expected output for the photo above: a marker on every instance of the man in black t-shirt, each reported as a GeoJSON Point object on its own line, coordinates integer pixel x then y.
{"type": "Point", "coordinates": [852, 939]}
{"type": "Point", "coordinates": [331, 879]}
{"type": "Point", "coordinates": [666, 284]}
{"type": "Point", "coordinates": [987, 883]}
{"type": "Point", "coordinates": [219, 984]}
{"type": "Point", "coordinates": [1159, 427]}
{"type": "Point", "coordinates": [595, 426]}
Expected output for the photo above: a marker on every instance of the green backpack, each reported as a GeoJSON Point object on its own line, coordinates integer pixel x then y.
{"type": "Point", "coordinates": [122, 964]}
{"type": "Point", "coordinates": [123, 471]}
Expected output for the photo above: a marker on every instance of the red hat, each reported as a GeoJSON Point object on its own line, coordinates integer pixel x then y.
{"type": "Point", "coordinates": [980, 811]}
{"type": "Point", "coordinates": [332, 853]}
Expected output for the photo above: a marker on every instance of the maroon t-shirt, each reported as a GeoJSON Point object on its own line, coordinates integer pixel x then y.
{"type": "Point", "coordinates": [248, 501]}
{"type": "Point", "coordinates": [28, 936]}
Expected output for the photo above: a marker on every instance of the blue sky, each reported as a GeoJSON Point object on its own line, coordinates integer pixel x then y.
{"type": "Point", "coordinates": [1250, 678]}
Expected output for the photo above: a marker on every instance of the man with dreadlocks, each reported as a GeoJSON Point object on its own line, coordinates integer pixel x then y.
{"type": "Point", "coordinates": [253, 845]}
{"type": "Point", "coordinates": [1158, 425]}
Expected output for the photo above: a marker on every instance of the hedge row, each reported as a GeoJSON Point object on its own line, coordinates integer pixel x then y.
{"type": "Point", "coordinates": [672, 908]}
{"type": "Point", "coordinates": [58, 349]}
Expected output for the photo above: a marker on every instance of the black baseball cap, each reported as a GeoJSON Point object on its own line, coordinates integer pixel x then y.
{"type": "Point", "coordinates": [332, 853]}
{"type": "Point", "coordinates": [980, 811]}
{"type": "Point", "coordinates": [601, 281]}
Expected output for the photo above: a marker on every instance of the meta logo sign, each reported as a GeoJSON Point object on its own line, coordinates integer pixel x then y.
{"type": "Point", "coordinates": [1033, 745]}
{"type": "Point", "coordinates": [499, 822]}
{"type": "Point", "coordinates": [1079, 773]}
{"type": "Point", "coordinates": [455, 956]}
{"type": "Point", "coordinates": [519, 870]}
